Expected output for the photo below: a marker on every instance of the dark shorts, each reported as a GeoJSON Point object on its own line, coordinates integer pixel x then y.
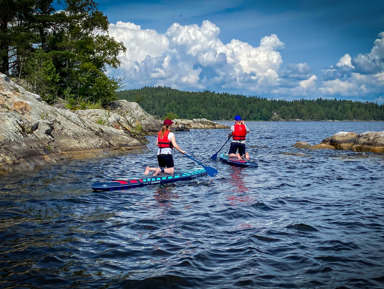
{"type": "Point", "coordinates": [237, 146]}
{"type": "Point", "coordinates": [165, 161]}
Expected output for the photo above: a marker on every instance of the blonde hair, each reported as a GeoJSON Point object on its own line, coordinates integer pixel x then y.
{"type": "Point", "coordinates": [163, 130]}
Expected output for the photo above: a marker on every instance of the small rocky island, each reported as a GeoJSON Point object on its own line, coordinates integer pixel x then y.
{"type": "Point", "coordinates": [33, 133]}
{"type": "Point", "coordinates": [363, 142]}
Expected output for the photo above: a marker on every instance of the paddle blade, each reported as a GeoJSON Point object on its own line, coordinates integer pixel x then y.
{"type": "Point", "coordinates": [214, 157]}
{"type": "Point", "coordinates": [212, 172]}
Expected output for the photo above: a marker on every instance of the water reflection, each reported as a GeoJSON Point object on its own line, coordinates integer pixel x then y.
{"type": "Point", "coordinates": [237, 179]}
{"type": "Point", "coordinates": [164, 194]}
{"type": "Point", "coordinates": [240, 191]}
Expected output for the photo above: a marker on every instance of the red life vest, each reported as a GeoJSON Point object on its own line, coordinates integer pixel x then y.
{"type": "Point", "coordinates": [164, 142]}
{"type": "Point", "coordinates": [240, 132]}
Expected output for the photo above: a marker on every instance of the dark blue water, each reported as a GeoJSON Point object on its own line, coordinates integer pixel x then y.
{"type": "Point", "coordinates": [302, 219]}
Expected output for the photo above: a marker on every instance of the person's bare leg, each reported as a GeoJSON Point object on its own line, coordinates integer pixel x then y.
{"type": "Point", "coordinates": [149, 169]}
{"type": "Point", "coordinates": [235, 156]}
{"type": "Point", "coordinates": [157, 171]}
{"type": "Point", "coordinates": [169, 171]}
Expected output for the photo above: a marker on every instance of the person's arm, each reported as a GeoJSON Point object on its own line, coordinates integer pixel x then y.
{"type": "Point", "coordinates": [175, 145]}
{"type": "Point", "coordinates": [246, 128]}
{"type": "Point", "coordinates": [230, 134]}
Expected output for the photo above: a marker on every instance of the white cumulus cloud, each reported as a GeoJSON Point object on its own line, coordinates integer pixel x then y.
{"type": "Point", "coordinates": [346, 60]}
{"type": "Point", "coordinates": [139, 43]}
{"type": "Point", "coordinates": [309, 83]}
{"type": "Point", "coordinates": [372, 62]}
{"type": "Point", "coordinates": [357, 77]}
{"type": "Point", "coordinates": [192, 57]}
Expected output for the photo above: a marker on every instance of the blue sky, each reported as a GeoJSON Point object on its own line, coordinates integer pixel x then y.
{"type": "Point", "coordinates": [278, 49]}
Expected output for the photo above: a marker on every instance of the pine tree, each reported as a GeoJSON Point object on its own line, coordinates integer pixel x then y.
{"type": "Point", "coordinates": [72, 44]}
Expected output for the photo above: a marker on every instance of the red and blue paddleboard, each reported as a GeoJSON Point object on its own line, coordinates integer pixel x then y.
{"type": "Point", "coordinates": [123, 184]}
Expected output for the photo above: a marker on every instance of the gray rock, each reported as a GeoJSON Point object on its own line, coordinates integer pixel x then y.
{"type": "Point", "coordinates": [136, 116]}
{"type": "Point", "coordinates": [199, 123]}
{"type": "Point", "coordinates": [341, 141]}
{"type": "Point", "coordinates": [302, 145]}
{"type": "Point", "coordinates": [370, 141]}
{"type": "Point", "coordinates": [33, 133]}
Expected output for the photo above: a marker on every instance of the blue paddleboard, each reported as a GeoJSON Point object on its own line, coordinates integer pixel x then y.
{"type": "Point", "coordinates": [236, 162]}
{"type": "Point", "coordinates": [122, 184]}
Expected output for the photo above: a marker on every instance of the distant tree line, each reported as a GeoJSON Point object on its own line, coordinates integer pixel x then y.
{"type": "Point", "coordinates": [164, 101]}
{"type": "Point", "coordinates": [60, 52]}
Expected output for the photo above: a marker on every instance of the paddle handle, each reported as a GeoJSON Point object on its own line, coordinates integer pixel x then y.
{"type": "Point", "coordinates": [248, 114]}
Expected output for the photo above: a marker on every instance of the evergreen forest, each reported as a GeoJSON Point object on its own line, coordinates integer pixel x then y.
{"type": "Point", "coordinates": [165, 102]}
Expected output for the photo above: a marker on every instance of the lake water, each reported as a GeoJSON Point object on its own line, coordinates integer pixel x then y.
{"type": "Point", "coordinates": [302, 219]}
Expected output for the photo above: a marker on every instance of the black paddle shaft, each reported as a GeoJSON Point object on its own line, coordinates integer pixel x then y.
{"type": "Point", "coordinates": [248, 114]}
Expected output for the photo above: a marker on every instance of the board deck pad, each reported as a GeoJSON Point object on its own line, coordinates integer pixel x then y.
{"type": "Point", "coordinates": [122, 184]}
{"type": "Point", "coordinates": [236, 162]}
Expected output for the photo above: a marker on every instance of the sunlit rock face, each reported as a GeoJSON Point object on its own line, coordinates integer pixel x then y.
{"type": "Point", "coordinates": [34, 133]}
{"type": "Point", "coordinates": [370, 141]}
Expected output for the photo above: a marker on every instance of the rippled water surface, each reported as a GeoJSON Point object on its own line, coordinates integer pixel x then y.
{"type": "Point", "coordinates": [302, 219]}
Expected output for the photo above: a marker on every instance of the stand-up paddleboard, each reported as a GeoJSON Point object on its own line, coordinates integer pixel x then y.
{"type": "Point", "coordinates": [122, 184]}
{"type": "Point", "coordinates": [236, 162]}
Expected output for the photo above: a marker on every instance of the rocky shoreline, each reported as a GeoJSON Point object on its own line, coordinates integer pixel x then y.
{"type": "Point", "coordinates": [34, 133]}
{"type": "Point", "coordinates": [363, 142]}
